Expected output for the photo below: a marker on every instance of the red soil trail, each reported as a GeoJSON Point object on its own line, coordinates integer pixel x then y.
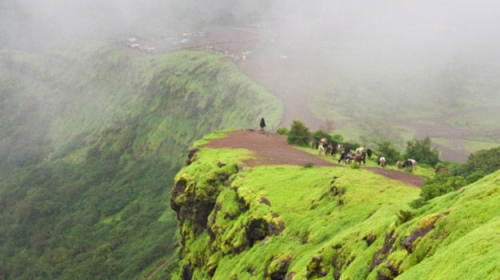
{"type": "Point", "coordinates": [272, 149]}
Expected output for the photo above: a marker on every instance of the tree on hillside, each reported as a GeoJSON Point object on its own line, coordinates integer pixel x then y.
{"type": "Point", "coordinates": [484, 161]}
{"type": "Point", "coordinates": [299, 134]}
{"type": "Point", "coordinates": [421, 151]}
{"type": "Point", "coordinates": [318, 134]}
{"type": "Point", "coordinates": [386, 149]}
{"type": "Point", "coordinates": [337, 138]}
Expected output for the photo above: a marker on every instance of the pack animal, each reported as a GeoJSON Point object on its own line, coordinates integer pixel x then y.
{"type": "Point", "coordinates": [442, 169]}
{"type": "Point", "coordinates": [347, 147]}
{"type": "Point", "coordinates": [369, 153]}
{"type": "Point", "coordinates": [332, 148]}
{"type": "Point", "coordinates": [314, 143]}
{"type": "Point", "coordinates": [346, 157]}
{"type": "Point", "coordinates": [360, 150]}
{"type": "Point", "coordinates": [410, 164]}
{"type": "Point", "coordinates": [360, 159]}
{"type": "Point", "coordinates": [321, 150]}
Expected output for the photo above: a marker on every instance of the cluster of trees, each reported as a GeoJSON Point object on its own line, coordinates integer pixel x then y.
{"type": "Point", "coordinates": [478, 165]}
{"type": "Point", "coordinates": [420, 150]}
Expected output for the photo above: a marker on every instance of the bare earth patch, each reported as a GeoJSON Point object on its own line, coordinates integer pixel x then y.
{"type": "Point", "coordinates": [272, 149]}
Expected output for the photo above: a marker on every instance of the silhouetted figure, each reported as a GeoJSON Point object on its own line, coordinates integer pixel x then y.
{"type": "Point", "coordinates": [262, 124]}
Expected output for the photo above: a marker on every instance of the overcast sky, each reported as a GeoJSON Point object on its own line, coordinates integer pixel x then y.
{"type": "Point", "coordinates": [423, 22]}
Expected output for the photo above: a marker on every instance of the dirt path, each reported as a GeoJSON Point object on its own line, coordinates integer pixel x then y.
{"type": "Point", "coordinates": [271, 148]}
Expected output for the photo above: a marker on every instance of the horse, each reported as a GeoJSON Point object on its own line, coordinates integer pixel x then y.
{"type": "Point", "coordinates": [442, 169]}
{"type": "Point", "coordinates": [322, 144]}
{"type": "Point", "coordinates": [347, 147]}
{"type": "Point", "coordinates": [381, 161]}
{"type": "Point", "coordinates": [346, 157]}
{"type": "Point", "coordinates": [359, 159]}
{"type": "Point", "coordinates": [321, 149]}
{"type": "Point", "coordinates": [410, 164]}
{"type": "Point", "coordinates": [332, 148]}
{"type": "Point", "coordinates": [369, 153]}
{"type": "Point", "coordinates": [314, 143]}
{"type": "Point", "coordinates": [360, 150]}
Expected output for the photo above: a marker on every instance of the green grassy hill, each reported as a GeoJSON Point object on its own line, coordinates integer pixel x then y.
{"type": "Point", "coordinates": [292, 222]}
{"type": "Point", "coordinates": [90, 141]}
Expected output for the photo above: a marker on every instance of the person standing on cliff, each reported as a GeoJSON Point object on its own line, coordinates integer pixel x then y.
{"type": "Point", "coordinates": [262, 124]}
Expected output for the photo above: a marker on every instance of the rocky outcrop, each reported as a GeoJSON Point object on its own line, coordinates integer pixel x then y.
{"type": "Point", "coordinates": [217, 219]}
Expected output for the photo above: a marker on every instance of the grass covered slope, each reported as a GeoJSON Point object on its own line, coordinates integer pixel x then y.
{"type": "Point", "coordinates": [277, 222]}
{"type": "Point", "coordinates": [91, 140]}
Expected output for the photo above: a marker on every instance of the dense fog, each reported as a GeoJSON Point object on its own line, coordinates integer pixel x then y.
{"type": "Point", "coordinates": [453, 27]}
{"type": "Point", "coordinates": [408, 54]}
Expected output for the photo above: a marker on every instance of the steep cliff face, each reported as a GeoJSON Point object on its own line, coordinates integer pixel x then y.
{"type": "Point", "coordinates": [91, 139]}
{"type": "Point", "coordinates": [292, 222]}
{"type": "Point", "coordinates": [217, 219]}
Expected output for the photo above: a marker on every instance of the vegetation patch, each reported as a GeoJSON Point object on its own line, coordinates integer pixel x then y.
{"type": "Point", "coordinates": [476, 121]}
{"type": "Point", "coordinates": [92, 139]}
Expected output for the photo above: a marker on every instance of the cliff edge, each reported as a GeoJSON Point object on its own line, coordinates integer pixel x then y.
{"type": "Point", "coordinates": [286, 221]}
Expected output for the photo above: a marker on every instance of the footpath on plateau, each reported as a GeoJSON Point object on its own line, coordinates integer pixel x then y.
{"type": "Point", "coordinates": [272, 149]}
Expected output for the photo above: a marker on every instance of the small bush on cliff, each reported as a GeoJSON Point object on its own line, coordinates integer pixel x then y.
{"type": "Point", "coordinates": [309, 165]}
{"type": "Point", "coordinates": [404, 216]}
{"type": "Point", "coordinates": [441, 184]}
{"type": "Point", "coordinates": [299, 134]}
{"type": "Point", "coordinates": [479, 164]}
{"type": "Point", "coordinates": [282, 131]}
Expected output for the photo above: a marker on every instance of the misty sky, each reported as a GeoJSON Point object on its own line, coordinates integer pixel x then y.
{"type": "Point", "coordinates": [431, 23]}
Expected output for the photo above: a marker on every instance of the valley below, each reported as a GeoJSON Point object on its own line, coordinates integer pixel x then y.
{"type": "Point", "coordinates": [296, 70]}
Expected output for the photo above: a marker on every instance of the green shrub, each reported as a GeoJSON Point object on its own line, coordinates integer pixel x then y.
{"type": "Point", "coordinates": [417, 203]}
{"type": "Point", "coordinates": [441, 184]}
{"type": "Point", "coordinates": [354, 165]}
{"type": "Point", "coordinates": [485, 161]}
{"type": "Point", "coordinates": [309, 165]}
{"type": "Point", "coordinates": [474, 176]}
{"type": "Point", "coordinates": [422, 151]}
{"type": "Point", "coordinates": [337, 138]}
{"type": "Point", "coordinates": [386, 149]}
{"type": "Point", "coordinates": [282, 131]}
{"type": "Point", "coordinates": [318, 134]}
{"type": "Point", "coordinates": [299, 134]}
{"type": "Point", "coordinates": [404, 216]}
